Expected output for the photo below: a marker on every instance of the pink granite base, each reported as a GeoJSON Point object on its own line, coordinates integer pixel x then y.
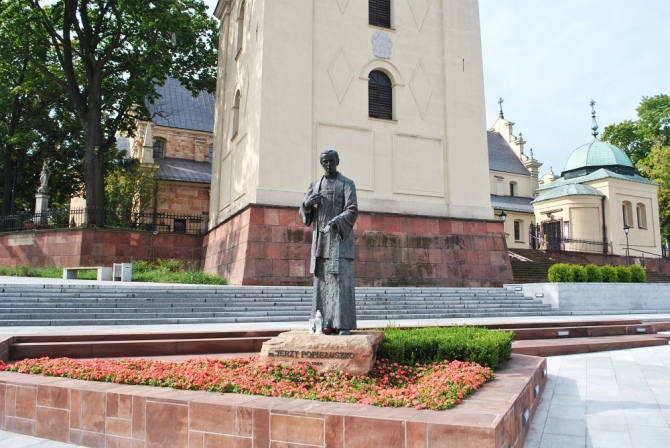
{"type": "Point", "coordinates": [266, 245]}
{"type": "Point", "coordinates": [111, 415]}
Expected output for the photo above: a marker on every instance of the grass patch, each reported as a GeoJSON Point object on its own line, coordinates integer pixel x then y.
{"type": "Point", "coordinates": [163, 271]}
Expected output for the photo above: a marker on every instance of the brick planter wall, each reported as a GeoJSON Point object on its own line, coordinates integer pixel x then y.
{"type": "Point", "coordinates": [102, 415]}
{"type": "Point", "coordinates": [92, 247]}
{"type": "Point", "coordinates": [270, 245]}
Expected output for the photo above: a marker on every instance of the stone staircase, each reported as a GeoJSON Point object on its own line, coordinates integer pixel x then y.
{"type": "Point", "coordinates": [145, 304]}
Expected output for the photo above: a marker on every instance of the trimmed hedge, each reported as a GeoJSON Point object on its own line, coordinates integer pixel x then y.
{"type": "Point", "coordinates": [609, 274]}
{"type": "Point", "coordinates": [431, 344]}
{"type": "Point", "coordinates": [560, 272]}
{"type": "Point", "coordinates": [569, 273]}
{"type": "Point", "coordinates": [593, 274]}
{"type": "Point", "coordinates": [638, 274]}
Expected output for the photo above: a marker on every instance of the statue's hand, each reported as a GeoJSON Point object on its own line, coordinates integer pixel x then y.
{"type": "Point", "coordinates": [332, 225]}
{"type": "Point", "coordinates": [313, 199]}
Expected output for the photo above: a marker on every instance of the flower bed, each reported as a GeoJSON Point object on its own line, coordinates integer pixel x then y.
{"type": "Point", "coordinates": [436, 386]}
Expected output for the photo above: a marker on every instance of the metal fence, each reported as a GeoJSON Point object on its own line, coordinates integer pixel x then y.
{"type": "Point", "coordinates": [105, 218]}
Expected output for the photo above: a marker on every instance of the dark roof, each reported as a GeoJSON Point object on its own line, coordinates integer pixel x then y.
{"type": "Point", "coordinates": [502, 157]}
{"type": "Point", "coordinates": [512, 203]}
{"type": "Point", "coordinates": [177, 108]}
{"type": "Point", "coordinates": [183, 170]}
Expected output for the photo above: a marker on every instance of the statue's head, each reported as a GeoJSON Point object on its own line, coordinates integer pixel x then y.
{"type": "Point", "coordinates": [330, 159]}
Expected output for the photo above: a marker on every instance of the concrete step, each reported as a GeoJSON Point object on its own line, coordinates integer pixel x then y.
{"type": "Point", "coordinates": [571, 346]}
{"type": "Point", "coordinates": [139, 347]}
{"type": "Point", "coordinates": [583, 331]}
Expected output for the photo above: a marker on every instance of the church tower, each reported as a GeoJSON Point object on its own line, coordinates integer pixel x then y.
{"type": "Point", "coordinates": [395, 86]}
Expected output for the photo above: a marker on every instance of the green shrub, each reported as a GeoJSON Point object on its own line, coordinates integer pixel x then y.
{"type": "Point", "coordinates": [593, 274]}
{"type": "Point", "coordinates": [579, 273]}
{"type": "Point", "coordinates": [609, 274]}
{"type": "Point", "coordinates": [142, 266]}
{"type": "Point", "coordinates": [638, 274]}
{"type": "Point", "coordinates": [427, 345]}
{"type": "Point", "coordinates": [623, 274]}
{"type": "Point", "coordinates": [170, 265]}
{"type": "Point", "coordinates": [560, 272]}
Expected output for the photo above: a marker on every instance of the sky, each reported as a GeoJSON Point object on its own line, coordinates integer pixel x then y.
{"type": "Point", "coordinates": [549, 59]}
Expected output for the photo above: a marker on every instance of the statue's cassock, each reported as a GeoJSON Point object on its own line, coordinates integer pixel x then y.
{"type": "Point", "coordinates": [333, 250]}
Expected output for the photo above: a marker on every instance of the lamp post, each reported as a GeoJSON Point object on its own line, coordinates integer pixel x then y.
{"type": "Point", "coordinates": [626, 229]}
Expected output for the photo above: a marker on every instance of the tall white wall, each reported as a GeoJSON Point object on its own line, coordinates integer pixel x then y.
{"type": "Point", "coordinates": [303, 76]}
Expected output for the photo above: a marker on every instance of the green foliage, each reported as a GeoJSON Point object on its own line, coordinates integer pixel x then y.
{"type": "Point", "coordinates": [593, 274]}
{"type": "Point", "coordinates": [623, 274]}
{"type": "Point", "coordinates": [36, 121]}
{"type": "Point", "coordinates": [131, 189]}
{"type": "Point", "coordinates": [609, 274]}
{"type": "Point", "coordinates": [638, 274]}
{"type": "Point", "coordinates": [427, 345]}
{"type": "Point", "coordinates": [107, 57]}
{"type": "Point", "coordinates": [170, 265]}
{"type": "Point", "coordinates": [164, 271]}
{"type": "Point", "coordinates": [579, 273]}
{"type": "Point", "coordinates": [647, 142]}
{"type": "Point", "coordinates": [656, 167]}
{"type": "Point", "coordinates": [560, 272]}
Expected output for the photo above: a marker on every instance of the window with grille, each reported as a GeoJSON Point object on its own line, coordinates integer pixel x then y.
{"type": "Point", "coordinates": [380, 13]}
{"type": "Point", "coordinates": [380, 95]}
{"type": "Point", "coordinates": [159, 149]}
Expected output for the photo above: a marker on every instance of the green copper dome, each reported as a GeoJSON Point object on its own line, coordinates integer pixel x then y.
{"type": "Point", "coordinates": [597, 154]}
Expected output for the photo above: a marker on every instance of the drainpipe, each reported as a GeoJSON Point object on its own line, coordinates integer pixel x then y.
{"type": "Point", "coordinates": [604, 226]}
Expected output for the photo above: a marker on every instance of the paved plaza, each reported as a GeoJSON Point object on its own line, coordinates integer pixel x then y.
{"type": "Point", "coordinates": [609, 399]}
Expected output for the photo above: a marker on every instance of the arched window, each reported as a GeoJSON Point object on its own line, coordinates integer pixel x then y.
{"type": "Point", "coordinates": [159, 148]}
{"type": "Point", "coordinates": [240, 29]}
{"type": "Point", "coordinates": [211, 153]}
{"type": "Point", "coordinates": [236, 115]}
{"type": "Point", "coordinates": [380, 95]}
{"type": "Point", "coordinates": [380, 13]}
{"type": "Point", "coordinates": [627, 209]}
{"type": "Point", "coordinates": [512, 189]}
{"type": "Point", "coordinates": [641, 216]}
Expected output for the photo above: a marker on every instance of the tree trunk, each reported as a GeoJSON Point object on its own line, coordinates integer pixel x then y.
{"type": "Point", "coordinates": [94, 154]}
{"type": "Point", "coordinates": [8, 184]}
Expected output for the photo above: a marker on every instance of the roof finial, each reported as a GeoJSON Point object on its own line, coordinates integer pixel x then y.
{"type": "Point", "coordinates": [501, 114]}
{"type": "Point", "coordinates": [594, 125]}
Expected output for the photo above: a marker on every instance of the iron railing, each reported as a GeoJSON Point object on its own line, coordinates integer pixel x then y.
{"type": "Point", "coordinates": [105, 218]}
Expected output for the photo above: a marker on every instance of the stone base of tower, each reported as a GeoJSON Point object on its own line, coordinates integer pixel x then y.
{"type": "Point", "coordinates": [268, 245]}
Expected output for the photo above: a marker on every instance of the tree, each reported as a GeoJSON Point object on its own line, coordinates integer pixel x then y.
{"type": "Point", "coordinates": [647, 142]}
{"type": "Point", "coordinates": [35, 123]}
{"type": "Point", "coordinates": [656, 167]}
{"type": "Point", "coordinates": [637, 137]}
{"type": "Point", "coordinates": [108, 57]}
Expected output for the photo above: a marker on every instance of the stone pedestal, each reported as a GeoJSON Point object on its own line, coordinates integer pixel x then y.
{"type": "Point", "coordinates": [266, 245]}
{"type": "Point", "coordinates": [41, 208]}
{"type": "Point", "coordinates": [354, 354]}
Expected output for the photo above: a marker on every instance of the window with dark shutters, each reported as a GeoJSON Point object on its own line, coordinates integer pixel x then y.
{"type": "Point", "coordinates": [380, 96]}
{"type": "Point", "coordinates": [380, 13]}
